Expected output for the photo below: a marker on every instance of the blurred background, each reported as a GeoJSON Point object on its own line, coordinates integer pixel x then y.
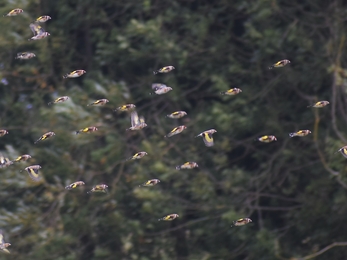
{"type": "Point", "coordinates": [294, 190]}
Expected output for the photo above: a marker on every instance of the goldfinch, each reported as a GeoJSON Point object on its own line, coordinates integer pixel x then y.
{"type": "Point", "coordinates": [187, 165]}
{"type": "Point", "coordinates": [279, 64]}
{"type": "Point", "coordinates": [43, 19]}
{"type": "Point", "coordinates": [320, 104]}
{"type": "Point", "coordinates": [23, 157]}
{"type": "Point", "coordinates": [177, 114]}
{"type": "Point", "coordinates": [45, 136]}
{"type": "Point", "coordinates": [87, 130]}
{"type": "Point", "coordinates": [33, 172]}
{"type": "Point", "coordinates": [137, 156]}
{"type": "Point", "coordinates": [126, 107]}
{"type": "Point", "coordinates": [38, 31]}
{"type": "Point", "coordinates": [3, 132]}
{"type": "Point", "coordinates": [300, 133]}
{"type": "Point", "coordinates": [14, 12]}
{"type": "Point", "coordinates": [241, 222]}
{"type": "Point", "coordinates": [160, 89]}
{"type": "Point", "coordinates": [150, 183]}
{"type": "Point", "coordinates": [137, 123]}
{"type": "Point", "coordinates": [3, 245]}
{"type": "Point", "coordinates": [267, 138]}
{"type": "Point", "coordinates": [5, 162]}
{"type": "Point", "coordinates": [74, 185]}
{"type": "Point", "coordinates": [165, 69]}
{"type": "Point", "coordinates": [25, 55]}
{"type": "Point", "coordinates": [343, 151]}
{"type": "Point", "coordinates": [232, 92]}
{"type": "Point", "coordinates": [169, 217]}
{"type": "Point", "coordinates": [74, 74]}
{"type": "Point", "coordinates": [99, 102]}
{"type": "Point", "coordinates": [177, 130]}
{"type": "Point", "coordinates": [99, 188]}
{"type": "Point", "coordinates": [59, 100]}
{"type": "Point", "coordinates": [207, 137]}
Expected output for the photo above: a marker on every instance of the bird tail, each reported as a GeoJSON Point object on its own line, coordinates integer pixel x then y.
{"type": "Point", "coordinates": [77, 132]}
{"type": "Point", "coordinates": [292, 134]}
{"type": "Point", "coordinates": [271, 67]}
{"type": "Point", "coordinates": [65, 76]}
{"type": "Point", "coordinates": [155, 72]}
{"type": "Point", "coordinates": [68, 187]}
{"type": "Point", "coordinates": [222, 93]}
{"type": "Point", "coordinates": [160, 219]}
{"type": "Point", "coordinates": [178, 167]}
{"type": "Point", "coordinates": [37, 141]}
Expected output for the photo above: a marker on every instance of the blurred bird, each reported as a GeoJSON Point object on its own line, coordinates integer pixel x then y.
{"type": "Point", "coordinates": [87, 130]}
{"type": "Point", "coordinates": [25, 55]}
{"type": "Point", "coordinates": [160, 89]}
{"type": "Point", "coordinates": [5, 162]}
{"type": "Point", "coordinates": [169, 217]}
{"type": "Point", "coordinates": [23, 157]}
{"type": "Point", "coordinates": [232, 92]}
{"type": "Point", "coordinates": [279, 64]}
{"type": "Point", "coordinates": [74, 185]}
{"type": "Point", "coordinates": [99, 102]}
{"type": "Point", "coordinates": [33, 172]}
{"type": "Point", "coordinates": [177, 114]}
{"type": "Point", "coordinates": [126, 107]}
{"type": "Point", "coordinates": [45, 136]}
{"type": "Point", "coordinates": [343, 151]}
{"type": "Point", "coordinates": [136, 156]}
{"type": "Point", "coordinates": [38, 31]}
{"type": "Point", "coordinates": [3, 132]}
{"type": "Point", "coordinates": [59, 100]}
{"type": "Point", "coordinates": [187, 165]}
{"type": "Point", "coordinates": [207, 137]}
{"type": "Point", "coordinates": [99, 188]}
{"type": "Point", "coordinates": [241, 222]}
{"type": "Point", "coordinates": [43, 19]}
{"type": "Point", "coordinates": [74, 74]}
{"type": "Point", "coordinates": [165, 69]}
{"type": "Point", "coordinates": [267, 138]}
{"type": "Point", "coordinates": [177, 130]}
{"type": "Point", "coordinates": [149, 183]}
{"type": "Point", "coordinates": [320, 104]}
{"type": "Point", "coordinates": [14, 12]}
{"type": "Point", "coordinates": [3, 245]}
{"type": "Point", "coordinates": [300, 133]}
{"type": "Point", "coordinates": [137, 123]}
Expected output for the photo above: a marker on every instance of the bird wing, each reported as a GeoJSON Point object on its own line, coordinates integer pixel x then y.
{"type": "Point", "coordinates": [134, 118]}
{"type": "Point", "coordinates": [208, 139]}
{"type": "Point", "coordinates": [36, 29]}
{"type": "Point", "coordinates": [157, 86]}
{"type": "Point", "coordinates": [6, 250]}
{"type": "Point", "coordinates": [1, 238]}
{"type": "Point", "coordinates": [33, 174]}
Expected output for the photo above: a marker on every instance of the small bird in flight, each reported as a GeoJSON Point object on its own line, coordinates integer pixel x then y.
{"type": "Point", "coordinates": [38, 31]}
{"type": "Point", "coordinates": [320, 104]}
{"type": "Point", "coordinates": [187, 165]}
{"type": "Point", "coordinates": [99, 188]}
{"type": "Point", "coordinates": [43, 19]}
{"type": "Point", "coordinates": [177, 114]}
{"type": "Point", "coordinates": [74, 185]}
{"type": "Point", "coordinates": [126, 107]}
{"type": "Point", "coordinates": [241, 222]}
{"type": "Point", "coordinates": [279, 64]}
{"type": "Point", "coordinates": [59, 100]}
{"type": "Point", "coordinates": [33, 172]}
{"type": "Point", "coordinates": [150, 183]}
{"type": "Point", "coordinates": [3, 132]}
{"type": "Point", "coordinates": [14, 12]}
{"type": "Point", "coordinates": [169, 217]}
{"type": "Point", "coordinates": [3, 245]}
{"type": "Point", "coordinates": [232, 92]}
{"type": "Point", "coordinates": [207, 137]}
{"type": "Point", "coordinates": [74, 74]}
{"type": "Point", "coordinates": [137, 156]}
{"type": "Point", "coordinates": [99, 102]}
{"type": "Point", "coordinates": [137, 123]}
{"type": "Point", "coordinates": [267, 138]}
{"type": "Point", "coordinates": [165, 69]}
{"type": "Point", "coordinates": [87, 130]}
{"type": "Point", "coordinates": [23, 157]}
{"type": "Point", "coordinates": [160, 89]}
{"type": "Point", "coordinates": [177, 130]}
{"type": "Point", "coordinates": [300, 133]}
{"type": "Point", "coordinates": [25, 55]}
{"type": "Point", "coordinates": [45, 136]}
